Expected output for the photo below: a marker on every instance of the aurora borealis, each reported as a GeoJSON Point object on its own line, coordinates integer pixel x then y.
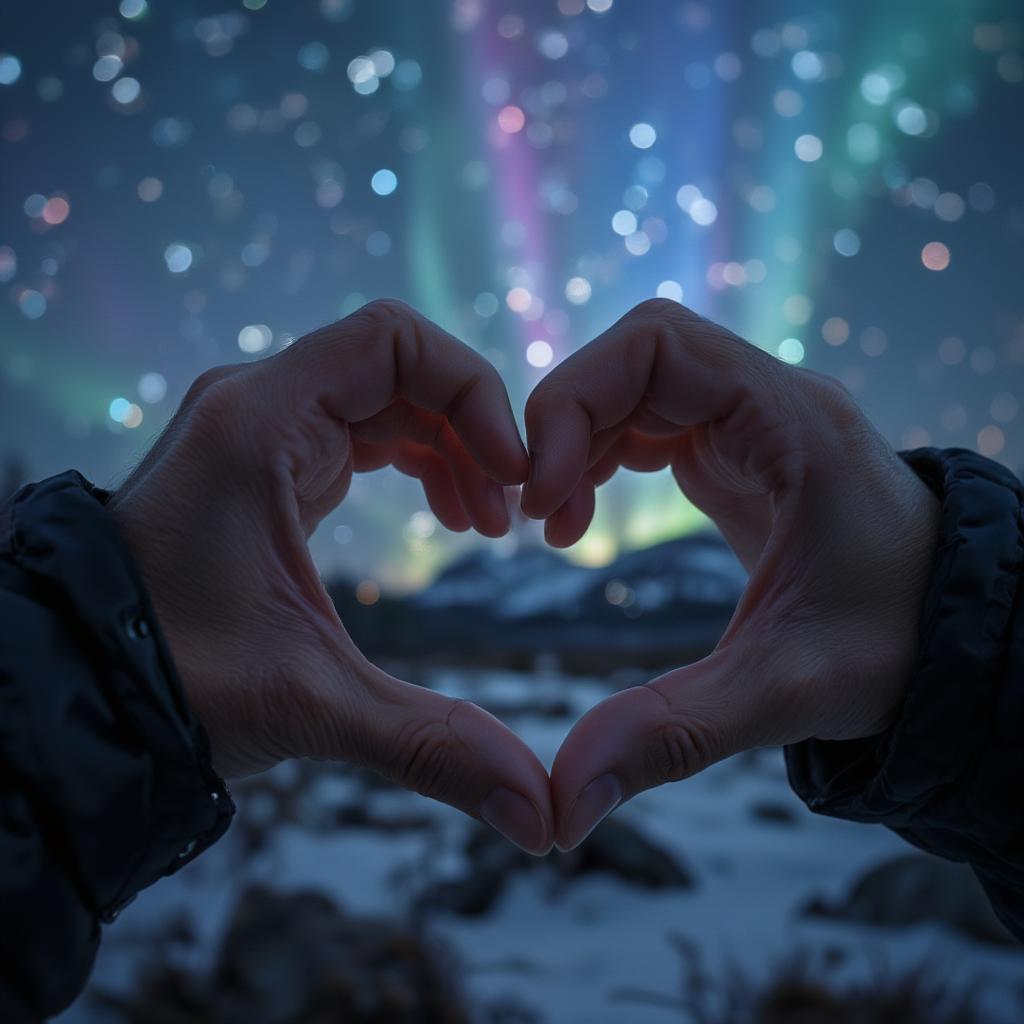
{"type": "Point", "coordinates": [183, 185]}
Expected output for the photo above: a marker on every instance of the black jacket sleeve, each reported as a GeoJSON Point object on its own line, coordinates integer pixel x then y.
{"type": "Point", "coordinates": [949, 775]}
{"type": "Point", "coordinates": [105, 776]}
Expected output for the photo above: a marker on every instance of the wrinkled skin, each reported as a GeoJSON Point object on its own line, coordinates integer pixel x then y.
{"type": "Point", "coordinates": [218, 516]}
{"type": "Point", "coordinates": [837, 534]}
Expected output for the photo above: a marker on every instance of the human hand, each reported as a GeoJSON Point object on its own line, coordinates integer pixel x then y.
{"type": "Point", "coordinates": [218, 515]}
{"type": "Point", "coordinates": [836, 532]}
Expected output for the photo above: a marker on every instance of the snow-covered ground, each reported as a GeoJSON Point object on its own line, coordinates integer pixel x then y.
{"type": "Point", "coordinates": [567, 946]}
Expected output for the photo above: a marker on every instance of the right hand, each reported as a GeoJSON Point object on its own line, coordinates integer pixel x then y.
{"type": "Point", "coordinates": [837, 533]}
{"type": "Point", "coordinates": [218, 515]}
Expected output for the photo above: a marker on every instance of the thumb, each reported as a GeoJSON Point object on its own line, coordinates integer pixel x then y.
{"type": "Point", "coordinates": [665, 731]}
{"type": "Point", "coordinates": [450, 750]}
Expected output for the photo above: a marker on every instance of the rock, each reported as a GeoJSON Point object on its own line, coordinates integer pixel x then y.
{"type": "Point", "coordinates": [615, 847]}
{"type": "Point", "coordinates": [621, 849]}
{"type": "Point", "coordinates": [297, 959]}
{"type": "Point", "coordinates": [774, 813]}
{"type": "Point", "coordinates": [915, 888]}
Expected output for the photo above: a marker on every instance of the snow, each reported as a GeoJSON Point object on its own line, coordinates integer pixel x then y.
{"type": "Point", "coordinates": [568, 946]}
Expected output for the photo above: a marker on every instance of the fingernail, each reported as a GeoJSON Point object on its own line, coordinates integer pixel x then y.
{"type": "Point", "coordinates": [515, 818]}
{"type": "Point", "coordinates": [593, 805]}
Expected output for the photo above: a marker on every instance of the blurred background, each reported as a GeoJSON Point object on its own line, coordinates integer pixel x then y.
{"type": "Point", "coordinates": [192, 183]}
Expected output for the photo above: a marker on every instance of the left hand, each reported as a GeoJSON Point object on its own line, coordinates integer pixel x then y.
{"type": "Point", "coordinates": [218, 515]}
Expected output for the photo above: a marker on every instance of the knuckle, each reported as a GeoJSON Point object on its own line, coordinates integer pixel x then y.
{"type": "Point", "coordinates": [426, 760]}
{"type": "Point", "coordinates": [206, 380]}
{"type": "Point", "coordinates": [680, 747]}
{"type": "Point", "coordinates": [387, 313]}
{"type": "Point", "coordinates": [662, 310]}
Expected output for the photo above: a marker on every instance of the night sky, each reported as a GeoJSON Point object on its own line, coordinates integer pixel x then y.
{"type": "Point", "coordinates": [188, 184]}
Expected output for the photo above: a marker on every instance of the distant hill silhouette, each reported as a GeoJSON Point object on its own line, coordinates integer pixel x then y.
{"type": "Point", "coordinates": [663, 604]}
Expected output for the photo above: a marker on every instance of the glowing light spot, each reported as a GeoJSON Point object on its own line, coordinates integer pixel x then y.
{"type": "Point", "coordinates": [119, 409]}
{"type": "Point", "coordinates": [367, 592]}
{"type": "Point", "coordinates": [313, 56]}
{"type": "Point", "coordinates": [539, 353]}
{"type": "Point", "coordinates": [949, 207]}
{"type": "Point", "coordinates": [56, 210]}
{"type": "Point", "coordinates": [991, 440]}
{"type": "Point", "coordinates": [670, 290]}
{"type": "Point", "coordinates": [578, 290]}
{"type": "Point", "coordinates": [107, 68]}
{"type": "Point", "coordinates": [791, 350]}
{"type": "Point", "coordinates": [643, 135]}
{"type": "Point", "coordinates": [407, 75]}
{"type": "Point", "coordinates": [10, 69]}
{"type": "Point", "coordinates": [384, 182]}
{"type": "Point", "coordinates": [126, 90]}
{"type": "Point", "coordinates": [873, 341]}
{"type": "Point", "coordinates": [846, 242]}
{"type": "Point", "coordinates": [952, 351]}
{"type": "Point", "coordinates": [132, 417]}
{"type": "Point", "coordinates": [50, 88]}
{"type": "Point", "coordinates": [808, 66]}
{"type": "Point", "coordinates": [152, 387]}
{"type": "Point", "coordinates": [808, 148]}
{"type": "Point", "coordinates": [638, 243]}
{"type": "Point", "coordinates": [624, 222]}
{"type": "Point", "coordinates": [599, 6]}
{"type": "Point", "coordinates": [511, 119]}
{"type": "Point", "coordinates": [982, 197]}
{"type": "Point", "coordinates": [762, 198]}
{"type": "Point", "coordinates": [420, 526]}
{"type": "Point", "coordinates": [703, 212]}
{"type": "Point", "coordinates": [34, 205]}
{"type": "Point", "coordinates": [383, 62]}
{"type": "Point", "coordinates": [254, 338]}
{"type": "Point", "coordinates": [553, 45]}
{"type": "Point", "coordinates": [485, 305]}
{"type": "Point", "coordinates": [835, 330]}
{"type": "Point", "coordinates": [687, 196]}
{"type": "Point", "coordinates": [32, 304]}
{"type": "Point", "coordinates": [935, 256]}
{"type": "Point", "coordinates": [875, 88]}
{"type": "Point", "coordinates": [788, 103]}
{"type": "Point", "coordinates": [133, 9]}
{"type": "Point", "coordinates": [178, 257]}
{"type": "Point", "coordinates": [361, 69]}
{"type": "Point", "coordinates": [342, 534]}
{"type": "Point", "coordinates": [910, 118]}
{"type": "Point", "coordinates": [519, 300]}
{"type": "Point", "coordinates": [728, 67]}
{"type": "Point", "coordinates": [378, 244]}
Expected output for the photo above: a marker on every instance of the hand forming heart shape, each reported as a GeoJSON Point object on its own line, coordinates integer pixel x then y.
{"type": "Point", "coordinates": [835, 530]}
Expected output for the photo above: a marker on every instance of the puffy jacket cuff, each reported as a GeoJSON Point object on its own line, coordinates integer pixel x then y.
{"type": "Point", "coordinates": [112, 753]}
{"type": "Point", "coordinates": [895, 777]}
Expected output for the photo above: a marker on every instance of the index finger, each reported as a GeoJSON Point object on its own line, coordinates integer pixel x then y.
{"type": "Point", "coordinates": [386, 350]}
{"type": "Point", "coordinates": [660, 358]}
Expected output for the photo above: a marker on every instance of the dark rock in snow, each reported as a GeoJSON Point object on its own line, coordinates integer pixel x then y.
{"type": "Point", "coordinates": [773, 812]}
{"type": "Point", "coordinates": [615, 847]}
{"type": "Point", "coordinates": [916, 888]}
{"type": "Point", "coordinates": [297, 959]}
{"type": "Point", "coordinates": [622, 850]}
